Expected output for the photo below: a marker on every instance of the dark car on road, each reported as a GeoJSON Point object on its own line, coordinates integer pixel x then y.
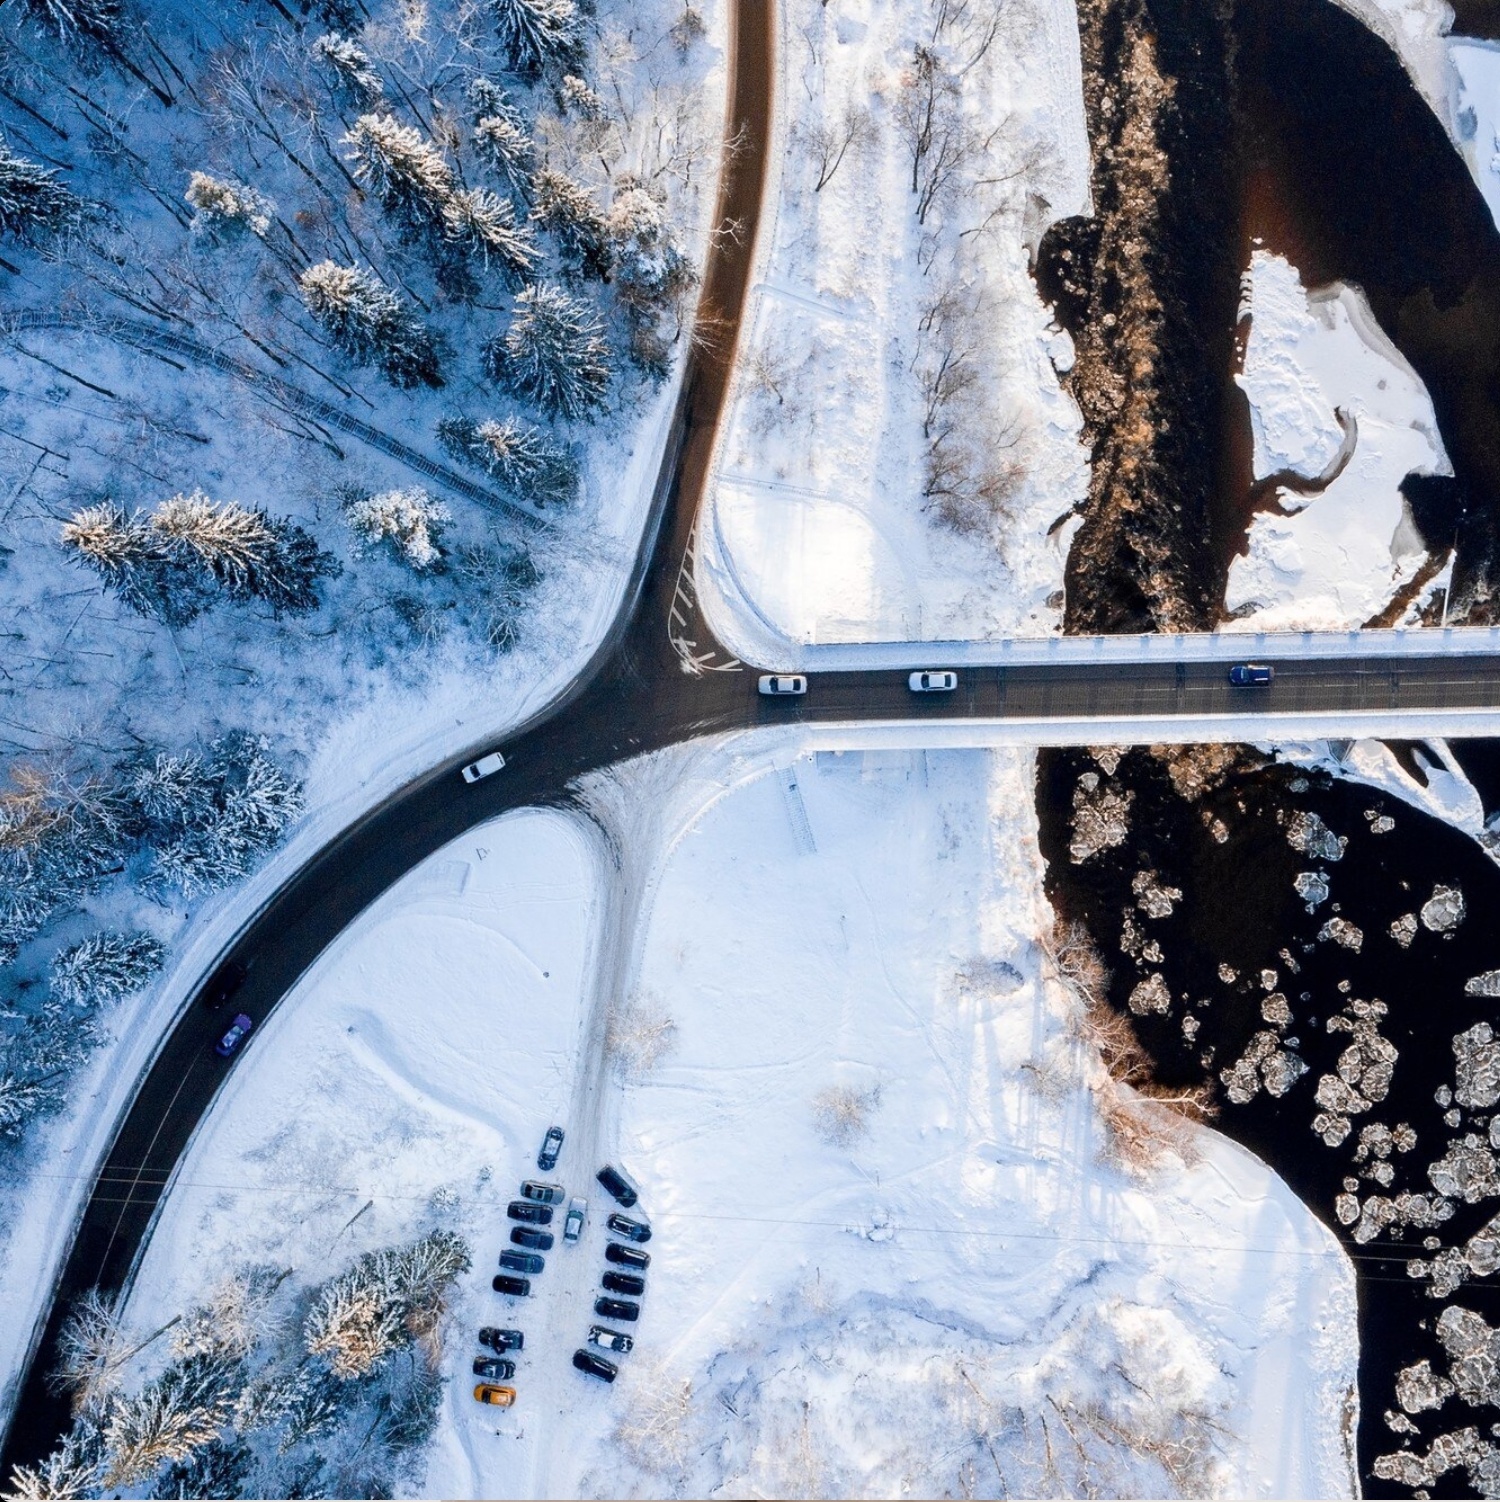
{"type": "Point", "coordinates": [493, 1369]}
{"type": "Point", "coordinates": [619, 1185]}
{"type": "Point", "coordinates": [595, 1366]}
{"type": "Point", "coordinates": [617, 1309]}
{"type": "Point", "coordinates": [1251, 674]}
{"type": "Point", "coordinates": [521, 1262]}
{"type": "Point", "coordinates": [624, 1283]}
{"type": "Point", "coordinates": [517, 1288]}
{"type": "Point", "coordinates": [537, 1241]}
{"type": "Point", "coordinates": [234, 1037]}
{"type": "Point", "coordinates": [623, 1225]}
{"type": "Point", "coordinates": [611, 1340]}
{"type": "Point", "coordinates": [536, 1215]}
{"type": "Point", "coordinates": [501, 1340]}
{"type": "Point", "coordinates": [627, 1256]}
{"type": "Point", "coordinates": [223, 983]}
{"type": "Point", "coordinates": [542, 1194]}
{"type": "Point", "coordinates": [546, 1160]}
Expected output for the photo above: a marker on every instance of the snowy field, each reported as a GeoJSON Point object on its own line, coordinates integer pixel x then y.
{"type": "Point", "coordinates": [899, 450]}
{"type": "Point", "coordinates": [1332, 402]}
{"type": "Point", "coordinates": [895, 1251]}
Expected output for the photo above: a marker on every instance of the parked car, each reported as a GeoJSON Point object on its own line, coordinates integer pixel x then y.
{"type": "Point", "coordinates": [542, 1194]}
{"type": "Point", "coordinates": [537, 1241]}
{"type": "Point", "coordinates": [493, 1369]}
{"type": "Point", "coordinates": [234, 1037]}
{"type": "Point", "coordinates": [517, 1288]}
{"type": "Point", "coordinates": [933, 681]}
{"type": "Point", "coordinates": [535, 1215]}
{"type": "Point", "coordinates": [223, 983]}
{"type": "Point", "coordinates": [611, 1340]}
{"type": "Point", "coordinates": [546, 1160]}
{"type": "Point", "coordinates": [486, 766]}
{"type": "Point", "coordinates": [501, 1397]}
{"type": "Point", "coordinates": [501, 1340]}
{"type": "Point", "coordinates": [619, 1185]}
{"type": "Point", "coordinates": [776, 684]}
{"type": "Point", "coordinates": [578, 1209]}
{"type": "Point", "coordinates": [627, 1256]}
{"type": "Point", "coordinates": [1251, 674]}
{"type": "Point", "coordinates": [624, 1283]}
{"type": "Point", "coordinates": [617, 1309]}
{"type": "Point", "coordinates": [595, 1366]}
{"type": "Point", "coordinates": [623, 1225]}
{"type": "Point", "coordinates": [521, 1262]}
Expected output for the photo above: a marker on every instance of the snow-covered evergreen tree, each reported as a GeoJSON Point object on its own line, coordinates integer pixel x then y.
{"type": "Point", "coordinates": [409, 519]}
{"type": "Point", "coordinates": [481, 226]}
{"type": "Point", "coordinates": [501, 136]}
{"type": "Point", "coordinates": [216, 1470]}
{"type": "Point", "coordinates": [522, 457]}
{"type": "Point", "coordinates": [105, 967]}
{"type": "Point", "coordinates": [352, 1326]}
{"type": "Point", "coordinates": [539, 36]}
{"type": "Point", "coordinates": [579, 99]}
{"type": "Point", "coordinates": [356, 76]}
{"type": "Point", "coordinates": [21, 1100]}
{"type": "Point", "coordinates": [552, 354]}
{"type": "Point", "coordinates": [370, 325]}
{"type": "Point", "coordinates": [33, 203]}
{"type": "Point", "coordinates": [223, 208]}
{"type": "Point", "coordinates": [185, 1407]}
{"type": "Point", "coordinates": [69, 1474]}
{"type": "Point", "coordinates": [649, 269]}
{"type": "Point", "coordinates": [407, 174]}
{"type": "Point", "coordinates": [565, 210]}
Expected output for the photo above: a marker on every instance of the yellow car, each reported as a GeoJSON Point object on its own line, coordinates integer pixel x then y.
{"type": "Point", "coordinates": [501, 1397]}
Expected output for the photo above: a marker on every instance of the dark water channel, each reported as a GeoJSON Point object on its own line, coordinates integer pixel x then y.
{"type": "Point", "coordinates": [1342, 167]}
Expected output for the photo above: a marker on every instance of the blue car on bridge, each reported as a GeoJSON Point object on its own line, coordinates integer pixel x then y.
{"type": "Point", "coordinates": [1251, 674]}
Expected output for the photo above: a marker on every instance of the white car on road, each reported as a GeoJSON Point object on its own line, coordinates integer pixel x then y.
{"type": "Point", "coordinates": [483, 767]}
{"type": "Point", "coordinates": [782, 683]}
{"type": "Point", "coordinates": [933, 681]}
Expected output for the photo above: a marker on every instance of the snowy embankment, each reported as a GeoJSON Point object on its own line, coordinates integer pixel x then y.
{"type": "Point", "coordinates": [1333, 402]}
{"type": "Point", "coordinates": [871, 1138]}
{"type": "Point", "coordinates": [899, 455]}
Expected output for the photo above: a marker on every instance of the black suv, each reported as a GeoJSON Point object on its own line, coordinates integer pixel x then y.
{"type": "Point", "coordinates": [624, 1283]}
{"type": "Point", "coordinates": [552, 1143]}
{"type": "Point", "coordinates": [517, 1288]}
{"type": "Point", "coordinates": [501, 1340]}
{"type": "Point", "coordinates": [493, 1369]}
{"type": "Point", "coordinates": [595, 1366]}
{"type": "Point", "coordinates": [536, 1215]}
{"type": "Point", "coordinates": [538, 1241]}
{"type": "Point", "coordinates": [623, 1225]}
{"type": "Point", "coordinates": [521, 1262]}
{"type": "Point", "coordinates": [617, 1309]}
{"type": "Point", "coordinates": [627, 1256]}
{"type": "Point", "coordinates": [618, 1184]}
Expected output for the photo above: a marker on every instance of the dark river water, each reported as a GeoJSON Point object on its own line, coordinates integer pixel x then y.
{"type": "Point", "coordinates": [1337, 162]}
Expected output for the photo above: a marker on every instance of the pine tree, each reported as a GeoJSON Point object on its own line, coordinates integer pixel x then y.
{"type": "Point", "coordinates": [21, 1100]}
{"type": "Point", "coordinates": [523, 458]}
{"type": "Point", "coordinates": [105, 967]}
{"type": "Point", "coordinates": [352, 1326]}
{"type": "Point", "coordinates": [481, 225]}
{"type": "Point", "coordinates": [122, 551]}
{"type": "Point", "coordinates": [407, 174]}
{"type": "Point", "coordinates": [501, 137]}
{"type": "Point", "coordinates": [565, 209]}
{"type": "Point", "coordinates": [224, 207]}
{"type": "Point", "coordinates": [355, 74]}
{"type": "Point", "coordinates": [648, 268]}
{"type": "Point", "coordinates": [539, 36]}
{"type": "Point", "coordinates": [552, 354]}
{"type": "Point", "coordinates": [219, 1469]}
{"type": "Point", "coordinates": [409, 519]}
{"type": "Point", "coordinates": [69, 1474]}
{"type": "Point", "coordinates": [174, 792]}
{"type": "Point", "coordinates": [33, 204]}
{"type": "Point", "coordinates": [370, 325]}
{"type": "Point", "coordinates": [185, 1407]}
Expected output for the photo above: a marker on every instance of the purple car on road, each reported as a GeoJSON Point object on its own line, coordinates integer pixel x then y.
{"type": "Point", "coordinates": [234, 1037]}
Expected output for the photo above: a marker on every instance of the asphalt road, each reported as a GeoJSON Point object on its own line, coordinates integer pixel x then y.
{"type": "Point", "coordinates": [634, 696]}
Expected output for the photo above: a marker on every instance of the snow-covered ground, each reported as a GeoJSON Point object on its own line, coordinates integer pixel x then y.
{"type": "Point", "coordinates": [893, 1252]}
{"type": "Point", "coordinates": [826, 522]}
{"type": "Point", "coordinates": [1329, 395]}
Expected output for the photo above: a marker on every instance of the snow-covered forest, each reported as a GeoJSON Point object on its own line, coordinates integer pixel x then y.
{"type": "Point", "coordinates": [315, 323]}
{"type": "Point", "coordinates": [268, 1388]}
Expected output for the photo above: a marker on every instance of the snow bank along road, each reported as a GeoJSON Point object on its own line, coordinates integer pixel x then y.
{"type": "Point", "coordinates": [642, 692]}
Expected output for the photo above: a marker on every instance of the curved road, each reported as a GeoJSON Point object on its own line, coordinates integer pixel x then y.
{"type": "Point", "coordinates": [638, 693]}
